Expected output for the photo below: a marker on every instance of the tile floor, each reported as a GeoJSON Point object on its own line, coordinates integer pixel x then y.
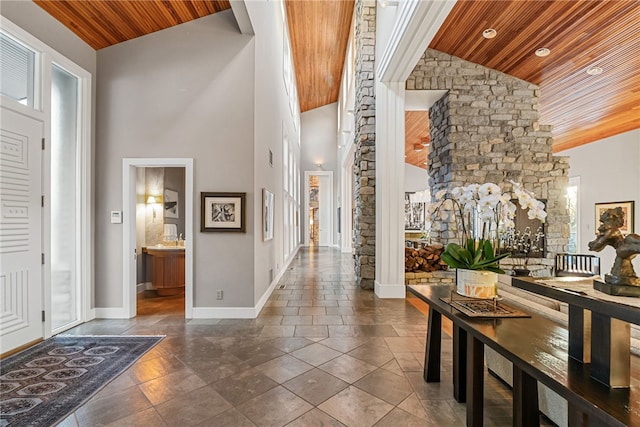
{"type": "Point", "coordinates": [323, 352]}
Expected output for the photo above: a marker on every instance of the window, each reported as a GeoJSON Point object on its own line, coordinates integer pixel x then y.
{"type": "Point", "coordinates": [17, 71]}
{"type": "Point", "coordinates": [573, 191]}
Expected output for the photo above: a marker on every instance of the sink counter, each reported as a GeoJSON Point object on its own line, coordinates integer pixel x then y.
{"type": "Point", "coordinates": [167, 268]}
{"type": "Point", "coordinates": [146, 249]}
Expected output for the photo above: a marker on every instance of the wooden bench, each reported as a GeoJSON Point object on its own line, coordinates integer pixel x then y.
{"type": "Point", "coordinates": [538, 350]}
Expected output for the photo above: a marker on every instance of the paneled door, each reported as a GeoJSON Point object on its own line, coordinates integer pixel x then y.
{"type": "Point", "coordinates": [21, 301]}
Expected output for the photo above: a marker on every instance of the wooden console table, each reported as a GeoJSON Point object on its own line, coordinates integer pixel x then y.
{"type": "Point", "coordinates": [538, 350]}
{"type": "Point", "coordinates": [599, 324]}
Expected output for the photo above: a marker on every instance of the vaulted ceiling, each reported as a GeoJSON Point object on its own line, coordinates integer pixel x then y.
{"type": "Point", "coordinates": [102, 23]}
{"type": "Point", "coordinates": [580, 34]}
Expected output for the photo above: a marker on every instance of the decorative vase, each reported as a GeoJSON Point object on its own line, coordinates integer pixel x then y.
{"type": "Point", "coordinates": [521, 272]}
{"type": "Point", "coordinates": [476, 283]}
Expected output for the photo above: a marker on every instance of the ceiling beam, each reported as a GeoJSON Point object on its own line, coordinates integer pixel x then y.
{"type": "Point", "coordinates": [417, 23]}
{"type": "Point", "coordinates": [239, 9]}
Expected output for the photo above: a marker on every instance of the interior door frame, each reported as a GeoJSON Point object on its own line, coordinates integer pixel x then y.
{"type": "Point", "coordinates": [129, 166]}
{"type": "Point", "coordinates": [308, 174]}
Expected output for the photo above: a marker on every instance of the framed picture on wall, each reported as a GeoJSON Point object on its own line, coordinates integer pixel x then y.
{"type": "Point", "coordinates": [627, 210]}
{"type": "Point", "coordinates": [170, 203]}
{"type": "Point", "coordinates": [223, 212]}
{"type": "Point", "coordinates": [267, 214]}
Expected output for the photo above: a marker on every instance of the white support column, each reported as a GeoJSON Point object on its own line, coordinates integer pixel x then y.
{"type": "Point", "coordinates": [389, 282]}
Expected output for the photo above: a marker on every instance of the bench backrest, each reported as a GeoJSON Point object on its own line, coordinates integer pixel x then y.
{"type": "Point", "coordinates": [579, 265]}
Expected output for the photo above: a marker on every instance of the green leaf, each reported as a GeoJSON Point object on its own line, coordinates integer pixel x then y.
{"type": "Point", "coordinates": [488, 249]}
{"type": "Point", "coordinates": [459, 253]}
{"type": "Point", "coordinates": [451, 262]}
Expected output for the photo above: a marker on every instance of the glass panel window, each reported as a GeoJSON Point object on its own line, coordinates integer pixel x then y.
{"type": "Point", "coordinates": [64, 203]}
{"type": "Point", "coordinates": [17, 71]}
{"type": "Point", "coordinates": [574, 219]}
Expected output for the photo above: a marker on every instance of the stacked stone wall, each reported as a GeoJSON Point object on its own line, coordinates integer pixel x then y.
{"type": "Point", "coordinates": [486, 129]}
{"type": "Point", "coordinates": [365, 143]}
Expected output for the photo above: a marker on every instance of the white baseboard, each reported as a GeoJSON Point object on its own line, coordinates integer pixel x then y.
{"type": "Point", "coordinates": [111, 313]}
{"type": "Point", "coordinates": [224, 313]}
{"type": "Point", "coordinates": [141, 287]}
{"type": "Point", "coordinates": [390, 290]}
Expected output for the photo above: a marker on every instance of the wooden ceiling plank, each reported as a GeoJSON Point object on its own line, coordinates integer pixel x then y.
{"type": "Point", "coordinates": [580, 34]}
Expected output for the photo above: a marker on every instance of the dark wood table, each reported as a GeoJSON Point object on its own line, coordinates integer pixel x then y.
{"type": "Point", "coordinates": [599, 324]}
{"type": "Point", "coordinates": [538, 350]}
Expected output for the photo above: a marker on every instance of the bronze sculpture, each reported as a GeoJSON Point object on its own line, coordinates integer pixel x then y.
{"type": "Point", "coordinates": [623, 279]}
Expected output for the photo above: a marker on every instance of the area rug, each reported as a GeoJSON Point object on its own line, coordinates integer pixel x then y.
{"type": "Point", "coordinates": [43, 384]}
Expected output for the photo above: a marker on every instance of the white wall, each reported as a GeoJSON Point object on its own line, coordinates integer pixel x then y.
{"type": "Point", "coordinates": [609, 171]}
{"type": "Point", "coordinates": [272, 114]}
{"type": "Point", "coordinates": [415, 178]}
{"type": "Point", "coordinates": [320, 145]}
{"type": "Point", "coordinates": [187, 91]}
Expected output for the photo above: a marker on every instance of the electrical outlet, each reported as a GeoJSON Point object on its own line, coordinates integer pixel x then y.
{"type": "Point", "coordinates": [219, 294]}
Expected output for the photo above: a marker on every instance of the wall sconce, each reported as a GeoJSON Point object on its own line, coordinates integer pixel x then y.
{"type": "Point", "coordinates": [417, 147]}
{"type": "Point", "coordinates": [425, 140]}
{"type": "Point", "coordinates": [319, 165]}
{"type": "Point", "coordinates": [153, 200]}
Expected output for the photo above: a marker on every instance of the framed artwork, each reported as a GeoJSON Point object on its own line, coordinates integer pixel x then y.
{"type": "Point", "coordinates": [627, 210]}
{"type": "Point", "coordinates": [170, 203]}
{"type": "Point", "coordinates": [267, 214]}
{"type": "Point", "coordinates": [223, 212]}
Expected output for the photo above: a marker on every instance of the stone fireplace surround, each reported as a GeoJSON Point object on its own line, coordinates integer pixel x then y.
{"type": "Point", "coordinates": [486, 129]}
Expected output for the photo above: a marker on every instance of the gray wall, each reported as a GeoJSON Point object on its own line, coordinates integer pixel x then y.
{"type": "Point", "coordinates": [609, 171]}
{"type": "Point", "coordinates": [187, 91]}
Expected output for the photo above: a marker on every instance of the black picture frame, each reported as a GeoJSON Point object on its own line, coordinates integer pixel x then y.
{"type": "Point", "coordinates": [223, 212]}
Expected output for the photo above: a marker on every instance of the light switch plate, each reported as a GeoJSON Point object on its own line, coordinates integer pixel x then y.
{"type": "Point", "coordinates": [116, 217]}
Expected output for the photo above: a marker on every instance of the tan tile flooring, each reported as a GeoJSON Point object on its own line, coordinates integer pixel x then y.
{"type": "Point", "coordinates": [323, 352]}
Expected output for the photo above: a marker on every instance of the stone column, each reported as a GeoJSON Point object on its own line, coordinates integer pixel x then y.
{"type": "Point", "coordinates": [364, 160]}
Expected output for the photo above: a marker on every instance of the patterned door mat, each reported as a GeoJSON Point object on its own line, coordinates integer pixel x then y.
{"type": "Point", "coordinates": [43, 384]}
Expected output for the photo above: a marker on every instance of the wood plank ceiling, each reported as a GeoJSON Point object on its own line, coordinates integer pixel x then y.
{"type": "Point", "coordinates": [582, 108]}
{"type": "Point", "coordinates": [319, 32]}
{"type": "Point", "coordinates": [102, 23]}
{"type": "Point", "coordinates": [416, 128]}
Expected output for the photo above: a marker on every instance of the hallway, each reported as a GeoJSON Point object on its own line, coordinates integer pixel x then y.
{"type": "Point", "coordinates": [323, 352]}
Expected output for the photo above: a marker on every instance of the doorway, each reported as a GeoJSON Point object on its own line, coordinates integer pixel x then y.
{"type": "Point", "coordinates": [157, 236]}
{"type": "Point", "coordinates": [318, 208]}
{"type": "Point", "coordinates": [160, 230]}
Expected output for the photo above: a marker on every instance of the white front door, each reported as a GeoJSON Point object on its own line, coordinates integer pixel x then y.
{"type": "Point", "coordinates": [21, 300]}
{"type": "Point", "coordinates": [324, 208]}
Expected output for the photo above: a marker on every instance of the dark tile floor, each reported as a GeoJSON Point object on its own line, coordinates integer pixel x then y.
{"type": "Point", "coordinates": [323, 352]}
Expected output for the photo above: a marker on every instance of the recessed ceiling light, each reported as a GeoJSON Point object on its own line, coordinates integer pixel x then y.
{"type": "Point", "coordinates": [489, 33]}
{"type": "Point", "coordinates": [542, 52]}
{"type": "Point", "coordinates": [594, 71]}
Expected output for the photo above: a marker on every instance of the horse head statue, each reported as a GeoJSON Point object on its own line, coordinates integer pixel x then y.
{"type": "Point", "coordinates": [627, 247]}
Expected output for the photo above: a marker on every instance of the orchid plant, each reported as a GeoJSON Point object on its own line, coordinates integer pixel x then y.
{"type": "Point", "coordinates": [485, 214]}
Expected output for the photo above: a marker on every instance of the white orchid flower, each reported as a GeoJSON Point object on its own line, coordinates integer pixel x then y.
{"type": "Point", "coordinates": [489, 189]}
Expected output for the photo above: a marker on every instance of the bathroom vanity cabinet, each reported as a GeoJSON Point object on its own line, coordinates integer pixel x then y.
{"type": "Point", "coordinates": [167, 269]}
